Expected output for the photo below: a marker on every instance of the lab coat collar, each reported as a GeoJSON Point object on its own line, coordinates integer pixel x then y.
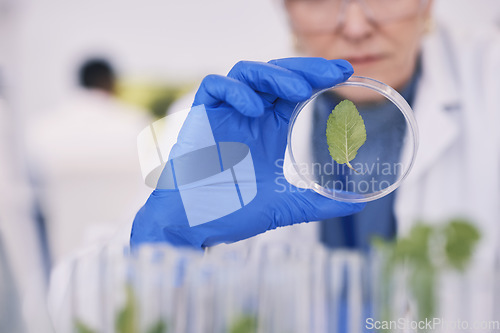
{"type": "Point", "coordinates": [436, 103]}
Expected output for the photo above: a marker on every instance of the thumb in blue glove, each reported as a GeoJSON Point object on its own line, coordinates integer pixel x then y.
{"type": "Point", "coordinates": [220, 184]}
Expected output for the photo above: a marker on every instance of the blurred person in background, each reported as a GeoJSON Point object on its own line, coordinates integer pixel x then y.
{"type": "Point", "coordinates": [451, 83]}
{"type": "Point", "coordinates": [84, 161]}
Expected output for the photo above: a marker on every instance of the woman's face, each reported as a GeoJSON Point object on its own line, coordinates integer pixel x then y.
{"type": "Point", "coordinates": [384, 47]}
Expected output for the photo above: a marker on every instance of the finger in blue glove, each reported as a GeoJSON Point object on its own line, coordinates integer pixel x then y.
{"type": "Point", "coordinates": [228, 189]}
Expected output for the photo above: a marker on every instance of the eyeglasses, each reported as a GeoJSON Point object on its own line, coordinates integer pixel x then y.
{"type": "Point", "coordinates": [328, 15]}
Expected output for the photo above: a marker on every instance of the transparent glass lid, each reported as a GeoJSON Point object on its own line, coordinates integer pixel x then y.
{"type": "Point", "coordinates": [341, 165]}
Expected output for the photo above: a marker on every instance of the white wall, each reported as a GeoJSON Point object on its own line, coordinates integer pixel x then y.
{"type": "Point", "coordinates": [166, 39]}
{"type": "Point", "coordinates": [174, 40]}
{"type": "Point", "coordinates": [469, 14]}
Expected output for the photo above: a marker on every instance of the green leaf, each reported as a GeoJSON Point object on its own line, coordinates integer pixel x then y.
{"type": "Point", "coordinates": [415, 246]}
{"type": "Point", "coordinates": [345, 133]}
{"type": "Point", "coordinates": [126, 320]}
{"type": "Point", "coordinates": [244, 324]}
{"type": "Point", "coordinates": [423, 287]}
{"type": "Point", "coordinates": [159, 327]}
{"type": "Point", "coordinates": [413, 251]}
{"type": "Point", "coordinates": [461, 240]}
{"type": "Point", "coordinates": [81, 327]}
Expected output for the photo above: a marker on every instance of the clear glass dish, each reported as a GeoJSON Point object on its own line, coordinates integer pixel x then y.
{"type": "Point", "coordinates": [381, 164]}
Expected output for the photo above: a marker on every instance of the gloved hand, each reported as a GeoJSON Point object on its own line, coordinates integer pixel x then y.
{"type": "Point", "coordinates": [252, 105]}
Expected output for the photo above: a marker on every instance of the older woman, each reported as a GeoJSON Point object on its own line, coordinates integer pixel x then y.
{"type": "Point", "coordinates": [450, 83]}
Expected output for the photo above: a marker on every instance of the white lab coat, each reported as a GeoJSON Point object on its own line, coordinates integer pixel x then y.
{"type": "Point", "coordinates": [457, 169]}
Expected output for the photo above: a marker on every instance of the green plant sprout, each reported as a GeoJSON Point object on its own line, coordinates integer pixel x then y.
{"type": "Point", "coordinates": [126, 320]}
{"type": "Point", "coordinates": [81, 327]}
{"type": "Point", "coordinates": [345, 133]}
{"type": "Point", "coordinates": [456, 241]}
{"type": "Point", "coordinates": [244, 324]}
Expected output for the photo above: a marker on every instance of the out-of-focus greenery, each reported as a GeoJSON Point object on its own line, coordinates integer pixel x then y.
{"type": "Point", "coordinates": [159, 327]}
{"type": "Point", "coordinates": [244, 324]}
{"type": "Point", "coordinates": [156, 97]}
{"type": "Point", "coordinates": [461, 239]}
{"type": "Point", "coordinates": [126, 320]}
{"type": "Point", "coordinates": [80, 327]}
{"type": "Point", "coordinates": [425, 252]}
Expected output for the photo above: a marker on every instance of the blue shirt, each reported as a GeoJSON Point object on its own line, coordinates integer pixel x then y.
{"type": "Point", "coordinates": [385, 129]}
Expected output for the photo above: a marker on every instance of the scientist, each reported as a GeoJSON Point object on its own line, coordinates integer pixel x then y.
{"type": "Point", "coordinates": [86, 143]}
{"type": "Point", "coordinates": [452, 84]}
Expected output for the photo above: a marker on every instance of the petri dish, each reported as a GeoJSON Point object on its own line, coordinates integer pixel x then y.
{"type": "Point", "coordinates": [381, 163]}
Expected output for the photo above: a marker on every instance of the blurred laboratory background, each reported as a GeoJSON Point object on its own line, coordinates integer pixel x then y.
{"type": "Point", "coordinates": [78, 81]}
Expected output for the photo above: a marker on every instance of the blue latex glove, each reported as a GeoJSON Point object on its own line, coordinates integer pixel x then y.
{"type": "Point", "coordinates": [252, 105]}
